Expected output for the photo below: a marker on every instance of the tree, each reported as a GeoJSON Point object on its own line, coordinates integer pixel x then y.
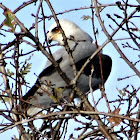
{"type": "Point", "coordinates": [121, 29]}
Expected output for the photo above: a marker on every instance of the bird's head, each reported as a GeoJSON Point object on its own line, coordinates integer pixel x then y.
{"type": "Point", "coordinates": [55, 34]}
{"type": "Point", "coordinates": [70, 29]}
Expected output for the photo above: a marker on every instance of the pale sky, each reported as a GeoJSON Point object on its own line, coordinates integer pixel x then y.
{"type": "Point", "coordinates": [119, 69]}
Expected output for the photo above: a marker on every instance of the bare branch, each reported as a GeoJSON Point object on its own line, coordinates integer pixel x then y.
{"type": "Point", "coordinates": [112, 41]}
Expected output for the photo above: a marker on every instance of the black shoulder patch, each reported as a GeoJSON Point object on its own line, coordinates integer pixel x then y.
{"type": "Point", "coordinates": [46, 72]}
{"type": "Point", "coordinates": [106, 65]}
{"type": "Point", "coordinates": [49, 70]}
{"type": "Point", "coordinates": [32, 91]}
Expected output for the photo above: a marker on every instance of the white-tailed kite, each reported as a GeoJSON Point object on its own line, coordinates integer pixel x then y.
{"type": "Point", "coordinates": [50, 89]}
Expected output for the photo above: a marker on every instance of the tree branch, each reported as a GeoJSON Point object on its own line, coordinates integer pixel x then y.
{"type": "Point", "coordinates": [112, 41]}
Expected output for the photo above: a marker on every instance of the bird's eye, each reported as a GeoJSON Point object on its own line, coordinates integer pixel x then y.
{"type": "Point", "coordinates": [56, 30]}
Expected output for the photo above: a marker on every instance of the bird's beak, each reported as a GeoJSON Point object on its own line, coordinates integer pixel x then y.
{"type": "Point", "coordinates": [49, 41]}
{"type": "Point", "coordinates": [49, 37]}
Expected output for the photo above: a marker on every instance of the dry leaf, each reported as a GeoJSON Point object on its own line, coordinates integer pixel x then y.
{"type": "Point", "coordinates": [134, 29]}
{"type": "Point", "coordinates": [10, 17]}
{"type": "Point", "coordinates": [114, 120]}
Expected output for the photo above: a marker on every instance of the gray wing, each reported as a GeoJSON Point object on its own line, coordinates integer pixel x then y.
{"type": "Point", "coordinates": [83, 82]}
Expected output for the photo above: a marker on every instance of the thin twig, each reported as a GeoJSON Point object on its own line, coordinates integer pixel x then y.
{"type": "Point", "coordinates": [64, 38]}
{"type": "Point", "coordinates": [113, 42]}
{"type": "Point", "coordinates": [70, 112]}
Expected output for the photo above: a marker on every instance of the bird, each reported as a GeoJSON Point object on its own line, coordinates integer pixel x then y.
{"type": "Point", "coordinates": [50, 89]}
